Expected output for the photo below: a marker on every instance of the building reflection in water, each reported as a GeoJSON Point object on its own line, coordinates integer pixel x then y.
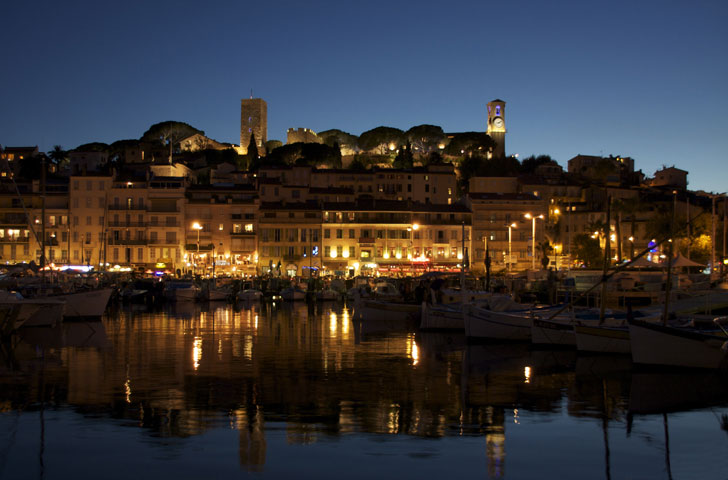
{"type": "Point", "coordinates": [317, 371]}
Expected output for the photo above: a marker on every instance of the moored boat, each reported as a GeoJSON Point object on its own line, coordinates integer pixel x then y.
{"type": "Point", "coordinates": [442, 317]}
{"type": "Point", "coordinates": [677, 346]}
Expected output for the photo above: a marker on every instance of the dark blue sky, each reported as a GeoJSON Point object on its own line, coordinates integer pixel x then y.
{"type": "Point", "coordinates": [646, 79]}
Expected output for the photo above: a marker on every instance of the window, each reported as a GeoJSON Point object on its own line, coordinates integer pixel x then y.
{"type": "Point", "coordinates": [339, 233]}
{"type": "Point", "coordinates": [327, 251]}
{"type": "Point", "coordinates": [88, 220]}
{"type": "Point", "coordinates": [101, 221]}
{"type": "Point", "coordinates": [277, 235]}
{"type": "Point", "coordinates": [427, 188]}
{"type": "Point", "coordinates": [352, 252]}
{"type": "Point", "coordinates": [140, 254]}
{"type": "Point", "coordinates": [303, 235]}
{"type": "Point", "coordinates": [327, 233]}
{"type": "Point", "coordinates": [171, 237]}
{"type": "Point", "coordinates": [352, 233]}
{"type": "Point", "coordinates": [314, 236]}
{"type": "Point", "coordinates": [249, 227]}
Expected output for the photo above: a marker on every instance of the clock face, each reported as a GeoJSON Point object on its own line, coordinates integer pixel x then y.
{"type": "Point", "coordinates": [498, 122]}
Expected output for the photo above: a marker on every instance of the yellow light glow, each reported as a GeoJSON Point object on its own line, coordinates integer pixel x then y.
{"type": "Point", "coordinates": [386, 255]}
{"type": "Point", "coordinates": [415, 226]}
{"type": "Point", "coordinates": [196, 352]}
{"type": "Point", "coordinates": [556, 211]}
{"type": "Point", "coordinates": [527, 375]}
{"type": "Point", "coordinates": [333, 324]}
{"type": "Point", "coordinates": [345, 254]}
{"type": "Point", "coordinates": [460, 256]}
{"type": "Point", "coordinates": [356, 265]}
{"type": "Point", "coordinates": [196, 226]}
{"type": "Point", "coordinates": [333, 253]}
{"type": "Point", "coordinates": [398, 255]}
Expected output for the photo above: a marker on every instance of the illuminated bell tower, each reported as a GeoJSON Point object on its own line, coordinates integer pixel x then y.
{"type": "Point", "coordinates": [497, 127]}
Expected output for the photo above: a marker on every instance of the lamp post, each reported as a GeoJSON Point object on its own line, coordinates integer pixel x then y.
{"type": "Point", "coordinates": [510, 227]}
{"type": "Point", "coordinates": [197, 227]}
{"type": "Point", "coordinates": [533, 237]}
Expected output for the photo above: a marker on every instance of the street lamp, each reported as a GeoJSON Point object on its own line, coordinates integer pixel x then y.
{"type": "Point", "coordinates": [533, 237]}
{"type": "Point", "coordinates": [510, 227]}
{"type": "Point", "coordinates": [198, 227]}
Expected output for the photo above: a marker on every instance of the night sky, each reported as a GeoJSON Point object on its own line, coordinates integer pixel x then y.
{"type": "Point", "coordinates": [646, 79]}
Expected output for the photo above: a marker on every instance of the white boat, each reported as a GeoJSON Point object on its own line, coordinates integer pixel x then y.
{"type": "Point", "coordinates": [293, 294]}
{"type": "Point", "coordinates": [677, 346]}
{"type": "Point", "coordinates": [85, 304]}
{"type": "Point", "coordinates": [442, 317]}
{"type": "Point", "coordinates": [250, 295]}
{"type": "Point", "coordinates": [499, 318]}
{"type": "Point", "coordinates": [602, 339]}
{"type": "Point", "coordinates": [381, 310]}
{"type": "Point", "coordinates": [181, 290]}
{"type": "Point", "coordinates": [32, 312]}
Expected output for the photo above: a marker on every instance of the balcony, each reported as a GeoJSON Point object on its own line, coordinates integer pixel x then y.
{"type": "Point", "coordinates": [14, 240]}
{"type": "Point", "coordinates": [128, 242]}
{"type": "Point", "coordinates": [162, 241]}
{"type": "Point", "coordinates": [127, 224]}
{"type": "Point", "coordinates": [242, 234]}
{"type": "Point", "coordinates": [127, 208]}
{"type": "Point", "coordinates": [367, 240]}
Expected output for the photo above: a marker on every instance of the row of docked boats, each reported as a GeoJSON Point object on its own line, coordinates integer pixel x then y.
{"type": "Point", "coordinates": [51, 306]}
{"type": "Point", "coordinates": [688, 334]}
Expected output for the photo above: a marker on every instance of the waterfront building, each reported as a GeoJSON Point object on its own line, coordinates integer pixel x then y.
{"type": "Point", "coordinates": [15, 232]}
{"type": "Point", "coordinates": [373, 237]}
{"type": "Point", "coordinates": [501, 225]}
{"type": "Point", "coordinates": [221, 228]}
{"type": "Point", "coordinates": [289, 238]}
{"type": "Point", "coordinates": [88, 214]}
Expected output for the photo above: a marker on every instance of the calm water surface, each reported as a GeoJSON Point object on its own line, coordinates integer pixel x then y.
{"type": "Point", "coordinates": [284, 391]}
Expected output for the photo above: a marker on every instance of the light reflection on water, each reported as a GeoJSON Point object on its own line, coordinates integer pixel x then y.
{"type": "Point", "coordinates": [279, 389]}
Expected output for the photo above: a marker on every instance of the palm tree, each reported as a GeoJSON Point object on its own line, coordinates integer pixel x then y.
{"type": "Point", "coordinates": [545, 248]}
{"type": "Point", "coordinates": [58, 156]}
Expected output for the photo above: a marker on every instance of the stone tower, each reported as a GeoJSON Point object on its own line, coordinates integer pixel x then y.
{"type": "Point", "coordinates": [253, 121]}
{"type": "Point", "coordinates": [497, 127]}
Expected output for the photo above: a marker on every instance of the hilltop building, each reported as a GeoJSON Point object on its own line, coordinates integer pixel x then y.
{"type": "Point", "coordinates": [253, 121]}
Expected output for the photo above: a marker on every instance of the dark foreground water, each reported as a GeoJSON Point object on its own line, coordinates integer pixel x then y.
{"type": "Point", "coordinates": [288, 392]}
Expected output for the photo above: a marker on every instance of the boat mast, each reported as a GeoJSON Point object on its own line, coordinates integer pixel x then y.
{"type": "Point", "coordinates": [605, 268]}
{"type": "Point", "coordinates": [42, 213]}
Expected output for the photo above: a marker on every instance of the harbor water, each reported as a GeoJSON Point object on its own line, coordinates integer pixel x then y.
{"type": "Point", "coordinates": [195, 391]}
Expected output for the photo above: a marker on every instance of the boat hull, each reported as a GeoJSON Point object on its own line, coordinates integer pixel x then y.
{"type": "Point", "coordinates": [546, 332]}
{"type": "Point", "coordinates": [89, 304]}
{"type": "Point", "coordinates": [440, 317]}
{"type": "Point", "coordinates": [388, 311]}
{"type": "Point", "coordinates": [481, 323]}
{"type": "Point", "coordinates": [654, 344]}
{"type": "Point", "coordinates": [601, 339]}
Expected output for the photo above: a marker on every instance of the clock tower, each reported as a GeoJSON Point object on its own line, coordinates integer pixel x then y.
{"type": "Point", "coordinates": [497, 127]}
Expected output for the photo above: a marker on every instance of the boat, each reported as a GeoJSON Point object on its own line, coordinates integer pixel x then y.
{"type": "Point", "coordinates": [500, 318]}
{"type": "Point", "coordinates": [181, 290]}
{"type": "Point", "coordinates": [371, 309]}
{"type": "Point", "coordinates": [327, 294]}
{"type": "Point", "coordinates": [293, 294]}
{"type": "Point", "coordinates": [250, 295]}
{"type": "Point", "coordinates": [386, 291]}
{"type": "Point", "coordinates": [602, 339]}
{"type": "Point", "coordinates": [442, 317]}
{"type": "Point", "coordinates": [678, 345]}
{"type": "Point", "coordinates": [30, 312]}
{"type": "Point", "coordinates": [85, 303]}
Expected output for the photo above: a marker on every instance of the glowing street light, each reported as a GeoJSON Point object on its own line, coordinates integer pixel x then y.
{"type": "Point", "coordinates": [510, 227]}
{"type": "Point", "coordinates": [198, 227]}
{"type": "Point", "coordinates": [533, 237]}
